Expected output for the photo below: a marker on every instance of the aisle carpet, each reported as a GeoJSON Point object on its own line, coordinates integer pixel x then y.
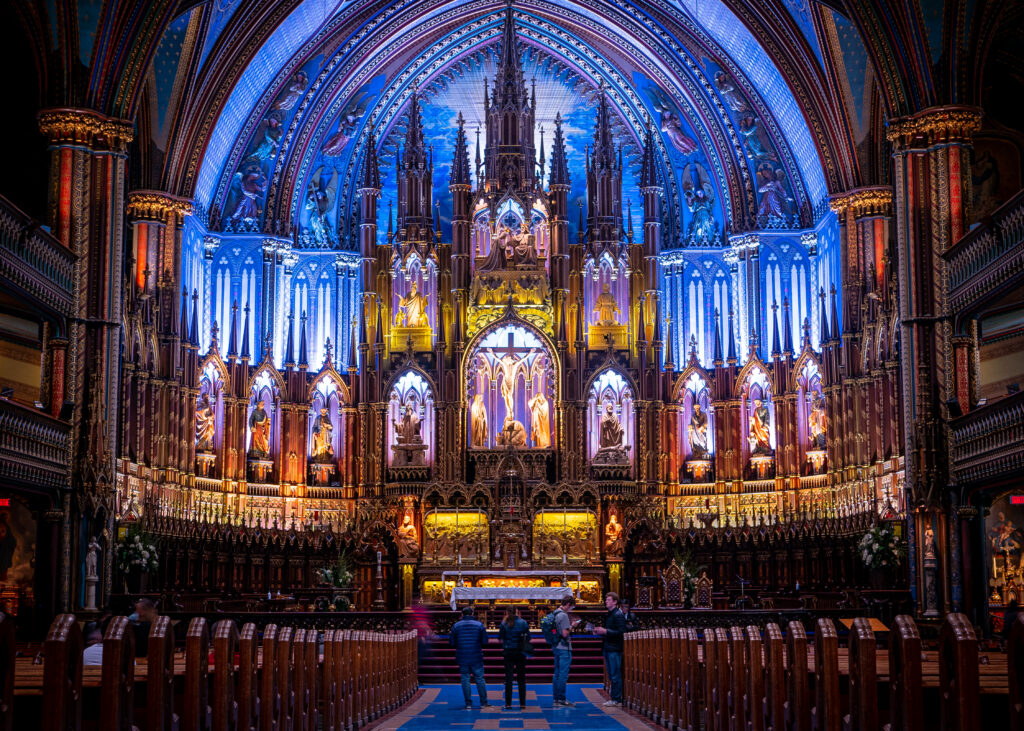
{"type": "Point", "coordinates": [441, 707]}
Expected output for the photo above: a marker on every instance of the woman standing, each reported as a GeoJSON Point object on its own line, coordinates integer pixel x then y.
{"type": "Point", "coordinates": [514, 634]}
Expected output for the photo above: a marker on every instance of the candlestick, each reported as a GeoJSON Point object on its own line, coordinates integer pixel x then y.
{"type": "Point", "coordinates": [378, 558]}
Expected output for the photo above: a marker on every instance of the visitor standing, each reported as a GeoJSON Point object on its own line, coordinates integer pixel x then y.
{"type": "Point", "coordinates": [468, 636]}
{"type": "Point", "coordinates": [612, 633]}
{"type": "Point", "coordinates": [514, 634]}
{"type": "Point", "coordinates": [561, 649]}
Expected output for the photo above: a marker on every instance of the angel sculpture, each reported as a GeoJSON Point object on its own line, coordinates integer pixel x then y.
{"type": "Point", "coordinates": [670, 123]}
{"type": "Point", "coordinates": [291, 95]}
{"type": "Point", "coordinates": [348, 123]}
{"type": "Point", "coordinates": [700, 199]}
{"type": "Point", "coordinates": [251, 185]}
{"type": "Point", "coordinates": [319, 201]}
{"type": "Point", "coordinates": [273, 130]}
{"type": "Point", "coordinates": [732, 96]}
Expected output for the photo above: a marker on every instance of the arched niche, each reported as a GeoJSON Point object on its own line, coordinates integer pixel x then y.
{"type": "Point", "coordinates": [606, 274]}
{"type": "Point", "coordinates": [510, 388]}
{"type": "Point", "coordinates": [758, 417]}
{"type": "Point", "coordinates": [325, 426]}
{"type": "Point", "coordinates": [410, 416]}
{"type": "Point", "coordinates": [209, 413]}
{"type": "Point", "coordinates": [406, 272]}
{"type": "Point", "coordinates": [696, 425]}
{"type": "Point", "coordinates": [611, 396]}
{"type": "Point", "coordinates": [811, 417]}
{"type": "Point", "coordinates": [263, 423]}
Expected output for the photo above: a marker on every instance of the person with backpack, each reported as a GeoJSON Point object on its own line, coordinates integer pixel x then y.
{"type": "Point", "coordinates": [612, 633]}
{"type": "Point", "coordinates": [556, 627]}
{"type": "Point", "coordinates": [468, 637]}
{"type": "Point", "coordinates": [514, 635]}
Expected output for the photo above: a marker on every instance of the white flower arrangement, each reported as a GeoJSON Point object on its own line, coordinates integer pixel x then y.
{"type": "Point", "coordinates": [137, 552]}
{"type": "Point", "coordinates": [880, 548]}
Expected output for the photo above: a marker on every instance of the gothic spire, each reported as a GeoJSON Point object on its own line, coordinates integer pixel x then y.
{"type": "Point", "coordinates": [363, 337]}
{"type": "Point", "coordinates": [194, 336]}
{"type": "Point", "coordinates": [509, 68]}
{"type": "Point", "coordinates": [823, 335]}
{"type": "Point", "coordinates": [657, 321]}
{"type": "Point", "coordinates": [561, 324]}
{"type": "Point", "coordinates": [289, 351]}
{"type": "Point", "coordinates": [371, 168]}
{"type": "Point", "coordinates": [776, 345]}
{"type": "Point", "coordinates": [542, 158]}
{"type": "Point", "coordinates": [718, 337]}
{"type": "Point", "coordinates": [604, 153]}
{"type": "Point", "coordinates": [669, 355]}
{"type": "Point", "coordinates": [233, 336]}
{"type": "Point", "coordinates": [460, 163]}
{"type": "Point", "coordinates": [352, 366]}
{"type": "Point", "coordinates": [183, 324]}
{"type": "Point", "coordinates": [245, 334]}
{"type": "Point", "coordinates": [580, 314]}
{"type": "Point", "coordinates": [787, 342]}
{"type": "Point", "coordinates": [836, 327]}
{"type": "Point", "coordinates": [559, 159]}
{"type": "Point", "coordinates": [641, 335]}
{"type": "Point", "coordinates": [649, 166]}
{"type": "Point", "coordinates": [732, 342]}
{"type": "Point", "coordinates": [303, 358]}
{"type": "Point", "coordinates": [378, 338]}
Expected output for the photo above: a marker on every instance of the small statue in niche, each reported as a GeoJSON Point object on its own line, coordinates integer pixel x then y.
{"type": "Point", "coordinates": [525, 250]}
{"type": "Point", "coordinates": [512, 434]}
{"type": "Point", "coordinates": [539, 420]}
{"type": "Point", "coordinates": [205, 424]}
{"type": "Point", "coordinates": [92, 560]}
{"type": "Point", "coordinates": [412, 308]}
{"type": "Point", "coordinates": [760, 430]}
{"type": "Point", "coordinates": [697, 431]}
{"type": "Point", "coordinates": [929, 543]}
{"type": "Point", "coordinates": [407, 431]}
{"type": "Point", "coordinates": [259, 426]}
{"type": "Point", "coordinates": [610, 445]}
{"type": "Point", "coordinates": [408, 538]}
{"type": "Point", "coordinates": [323, 436]}
{"type": "Point", "coordinates": [478, 416]}
{"type": "Point", "coordinates": [816, 423]}
{"type": "Point", "coordinates": [606, 306]}
{"type": "Point", "coordinates": [613, 535]}
{"type": "Point", "coordinates": [408, 449]}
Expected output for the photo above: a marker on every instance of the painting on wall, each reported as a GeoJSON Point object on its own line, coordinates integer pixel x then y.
{"type": "Point", "coordinates": [17, 554]}
{"type": "Point", "coordinates": [1003, 541]}
{"type": "Point", "coordinates": [995, 174]}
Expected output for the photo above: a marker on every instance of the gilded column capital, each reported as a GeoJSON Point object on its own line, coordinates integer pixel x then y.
{"type": "Point", "coordinates": [153, 205]}
{"type": "Point", "coordinates": [935, 125]}
{"type": "Point", "coordinates": [65, 126]}
{"type": "Point", "coordinates": [864, 202]}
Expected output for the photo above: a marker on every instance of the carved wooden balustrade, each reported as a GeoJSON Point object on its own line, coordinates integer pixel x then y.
{"type": "Point", "coordinates": [986, 443]}
{"type": "Point", "coordinates": [34, 448]}
{"type": "Point", "coordinates": [34, 262]}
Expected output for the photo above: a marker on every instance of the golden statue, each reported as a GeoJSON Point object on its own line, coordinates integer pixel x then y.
{"type": "Point", "coordinates": [817, 422]}
{"type": "Point", "coordinates": [606, 307]}
{"type": "Point", "coordinates": [478, 421]}
{"type": "Point", "coordinates": [408, 538]}
{"type": "Point", "coordinates": [412, 309]}
{"type": "Point", "coordinates": [540, 421]}
{"type": "Point", "coordinates": [512, 434]}
{"type": "Point", "coordinates": [613, 535]}
{"type": "Point", "coordinates": [206, 424]}
{"type": "Point", "coordinates": [509, 366]}
{"type": "Point", "coordinates": [323, 432]}
{"type": "Point", "coordinates": [259, 426]}
{"type": "Point", "coordinates": [760, 426]}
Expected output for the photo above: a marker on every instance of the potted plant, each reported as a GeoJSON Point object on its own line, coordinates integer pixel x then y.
{"type": "Point", "coordinates": [880, 551]}
{"type": "Point", "coordinates": [690, 572]}
{"type": "Point", "coordinates": [136, 558]}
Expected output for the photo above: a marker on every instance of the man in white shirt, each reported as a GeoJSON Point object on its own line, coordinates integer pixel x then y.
{"type": "Point", "coordinates": [93, 637]}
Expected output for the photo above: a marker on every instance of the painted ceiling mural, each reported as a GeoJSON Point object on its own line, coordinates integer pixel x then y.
{"type": "Point", "coordinates": [721, 135]}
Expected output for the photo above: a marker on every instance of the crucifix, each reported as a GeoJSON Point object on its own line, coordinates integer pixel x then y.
{"type": "Point", "coordinates": [509, 365]}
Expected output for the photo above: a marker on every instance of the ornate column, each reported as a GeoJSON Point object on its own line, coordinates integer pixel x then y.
{"type": "Point", "coordinates": [932, 186]}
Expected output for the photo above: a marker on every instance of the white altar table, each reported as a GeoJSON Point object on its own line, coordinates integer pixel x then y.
{"type": "Point", "coordinates": [515, 593]}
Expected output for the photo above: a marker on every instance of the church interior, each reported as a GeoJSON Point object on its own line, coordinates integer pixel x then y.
{"type": "Point", "coordinates": [321, 320]}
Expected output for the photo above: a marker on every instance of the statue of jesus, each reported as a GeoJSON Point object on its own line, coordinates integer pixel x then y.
{"type": "Point", "coordinates": [414, 306]}
{"type": "Point", "coordinates": [606, 307]}
{"type": "Point", "coordinates": [509, 367]}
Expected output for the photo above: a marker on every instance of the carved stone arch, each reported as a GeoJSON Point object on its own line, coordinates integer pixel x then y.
{"type": "Point", "coordinates": [328, 372]}
{"type": "Point", "coordinates": [807, 356]}
{"type": "Point", "coordinates": [406, 367]}
{"type": "Point", "coordinates": [679, 387]}
{"type": "Point", "coordinates": [752, 364]}
{"type": "Point", "coordinates": [275, 376]}
{"type": "Point", "coordinates": [511, 317]}
{"type": "Point", "coordinates": [225, 375]}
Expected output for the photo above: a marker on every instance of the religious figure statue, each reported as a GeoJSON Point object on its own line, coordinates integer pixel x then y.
{"type": "Point", "coordinates": [774, 199]}
{"type": "Point", "coordinates": [407, 431]}
{"type": "Point", "coordinates": [252, 184]}
{"type": "Point", "coordinates": [613, 535]}
{"type": "Point", "coordinates": [610, 446]}
{"type": "Point", "coordinates": [408, 538]}
{"type": "Point", "coordinates": [699, 191]}
{"type": "Point", "coordinates": [697, 431]}
{"type": "Point", "coordinates": [502, 253]}
{"type": "Point", "coordinates": [816, 423]}
{"type": "Point", "coordinates": [525, 250]}
{"type": "Point", "coordinates": [512, 434]}
{"type": "Point", "coordinates": [539, 421]}
{"type": "Point", "coordinates": [478, 422]}
{"type": "Point", "coordinates": [508, 366]}
{"type": "Point", "coordinates": [205, 424]}
{"type": "Point", "coordinates": [760, 429]}
{"type": "Point", "coordinates": [92, 560]}
{"type": "Point", "coordinates": [259, 426]}
{"type": "Point", "coordinates": [929, 543]}
{"type": "Point", "coordinates": [412, 309]}
{"type": "Point", "coordinates": [323, 433]}
{"type": "Point", "coordinates": [606, 306]}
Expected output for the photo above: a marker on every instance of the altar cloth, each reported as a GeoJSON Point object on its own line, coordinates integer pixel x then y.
{"type": "Point", "coordinates": [477, 593]}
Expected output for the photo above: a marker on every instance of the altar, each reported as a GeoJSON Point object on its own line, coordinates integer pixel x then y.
{"type": "Point", "coordinates": [501, 590]}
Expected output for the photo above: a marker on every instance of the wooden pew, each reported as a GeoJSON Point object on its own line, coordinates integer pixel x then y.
{"type": "Point", "coordinates": [863, 678]}
{"type": "Point", "coordinates": [958, 675]}
{"type": "Point", "coordinates": [283, 670]}
{"type": "Point", "coordinates": [691, 680]}
{"type": "Point", "coordinates": [62, 675]}
{"type": "Point", "coordinates": [197, 715]}
{"type": "Point", "coordinates": [1015, 670]}
{"type": "Point", "coordinates": [798, 701]}
{"type": "Point", "coordinates": [270, 695]}
{"type": "Point", "coordinates": [117, 699]}
{"type": "Point", "coordinates": [826, 715]}
{"type": "Point", "coordinates": [716, 679]}
{"type": "Point", "coordinates": [327, 684]}
{"type": "Point", "coordinates": [737, 679]}
{"type": "Point", "coordinates": [774, 711]}
{"type": "Point", "coordinates": [754, 700]}
{"type": "Point", "coordinates": [905, 709]}
{"type": "Point", "coordinates": [160, 715]}
{"type": "Point", "coordinates": [342, 689]}
{"type": "Point", "coordinates": [311, 666]}
{"type": "Point", "coordinates": [660, 684]}
{"type": "Point", "coordinates": [7, 653]}
{"type": "Point", "coordinates": [247, 695]}
{"type": "Point", "coordinates": [298, 680]}
{"type": "Point", "coordinates": [673, 675]}
{"type": "Point", "coordinates": [225, 679]}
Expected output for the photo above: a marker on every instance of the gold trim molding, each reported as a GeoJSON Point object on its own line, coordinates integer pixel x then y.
{"type": "Point", "coordinates": [84, 127]}
{"type": "Point", "coordinates": [864, 202]}
{"type": "Point", "coordinates": [934, 125]}
{"type": "Point", "coordinates": [153, 205]}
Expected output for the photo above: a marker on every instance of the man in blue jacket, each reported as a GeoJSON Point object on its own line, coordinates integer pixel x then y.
{"type": "Point", "coordinates": [468, 637]}
{"type": "Point", "coordinates": [612, 633]}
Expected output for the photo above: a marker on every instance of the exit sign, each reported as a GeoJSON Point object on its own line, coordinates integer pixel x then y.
{"type": "Point", "coordinates": [5, 502]}
{"type": "Point", "coordinates": [1016, 499]}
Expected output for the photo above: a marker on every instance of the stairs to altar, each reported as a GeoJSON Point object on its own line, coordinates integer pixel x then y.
{"type": "Point", "coordinates": [437, 661]}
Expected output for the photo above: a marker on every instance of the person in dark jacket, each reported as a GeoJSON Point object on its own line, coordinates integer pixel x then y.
{"type": "Point", "coordinates": [514, 634]}
{"type": "Point", "coordinates": [468, 637]}
{"type": "Point", "coordinates": [612, 633]}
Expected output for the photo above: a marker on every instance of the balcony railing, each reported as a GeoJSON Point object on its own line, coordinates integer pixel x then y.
{"type": "Point", "coordinates": [988, 443]}
{"type": "Point", "coordinates": [35, 262]}
{"type": "Point", "coordinates": [34, 448]}
{"type": "Point", "coordinates": [989, 258]}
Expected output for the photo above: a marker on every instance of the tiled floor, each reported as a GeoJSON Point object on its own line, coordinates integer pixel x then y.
{"type": "Point", "coordinates": [441, 707]}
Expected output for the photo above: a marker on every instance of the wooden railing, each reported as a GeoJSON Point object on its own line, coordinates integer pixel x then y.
{"type": "Point", "coordinates": [34, 448]}
{"type": "Point", "coordinates": [277, 681]}
{"type": "Point", "coordinates": [988, 259]}
{"type": "Point", "coordinates": [741, 678]}
{"type": "Point", "coordinates": [35, 262]}
{"type": "Point", "coordinates": [987, 442]}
